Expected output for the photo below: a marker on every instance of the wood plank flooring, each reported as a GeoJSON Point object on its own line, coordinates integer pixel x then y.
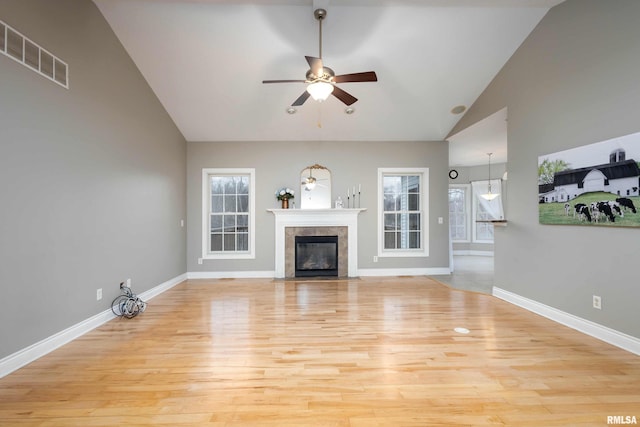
{"type": "Point", "coordinates": [367, 352]}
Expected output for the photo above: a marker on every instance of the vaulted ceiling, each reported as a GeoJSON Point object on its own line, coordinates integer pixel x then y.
{"type": "Point", "coordinates": [206, 59]}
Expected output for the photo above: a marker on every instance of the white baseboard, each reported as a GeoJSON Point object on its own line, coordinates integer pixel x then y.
{"type": "Point", "coordinates": [472, 253]}
{"type": "Point", "coordinates": [163, 287]}
{"type": "Point", "coordinates": [27, 355]}
{"type": "Point", "coordinates": [381, 272]}
{"type": "Point", "coordinates": [603, 333]}
{"type": "Point", "coordinates": [230, 274]}
{"type": "Point", "coordinates": [373, 272]}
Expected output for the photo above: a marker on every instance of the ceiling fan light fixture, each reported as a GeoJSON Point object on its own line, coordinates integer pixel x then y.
{"type": "Point", "coordinates": [310, 182]}
{"type": "Point", "coordinates": [320, 90]}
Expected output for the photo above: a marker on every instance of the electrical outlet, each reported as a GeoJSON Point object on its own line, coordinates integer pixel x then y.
{"type": "Point", "coordinates": [440, 220]}
{"type": "Point", "coordinates": [200, 261]}
{"type": "Point", "coordinates": [128, 283]}
{"type": "Point", "coordinates": [375, 258]}
{"type": "Point", "coordinates": [99, 294]}
{"type": "Point", "coordinates": [597, 302]}
{"type": "Point", "coordinates": [182, 223]}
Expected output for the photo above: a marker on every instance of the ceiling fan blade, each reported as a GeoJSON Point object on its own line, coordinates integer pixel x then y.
{"type": "Point", "coordinates": [283, 81]}
{"type": "Point", "coordinates": [343, 96]}
{"type": "Point", "coordinates": [316, 65]}
{"type": "Point", "coordinates": [367, 76]}
{"type": "Point", "coordinates": [298, 102]}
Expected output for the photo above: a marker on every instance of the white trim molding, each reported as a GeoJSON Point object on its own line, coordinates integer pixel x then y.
{"type": "Point", "coordinates": [316, 218]}
{"type": "Point", "coordinates": [472, 253]}
{"type": "Point", "coordinates": [230, 274]}
{"type": "Point", "coordinates": [384, 272]}
{"type": "Point", "coordinates": [423, 250]}
{"type": "Point", "coordinates": [603, 333]}
{"type": "Point", "coordinates": [23, 357]}
{"type": "Point", "coordinates": [207, 173]}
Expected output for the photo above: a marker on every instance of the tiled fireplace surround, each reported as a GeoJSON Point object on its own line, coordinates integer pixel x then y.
{"type": "Point", "coordinates": [316, 222]}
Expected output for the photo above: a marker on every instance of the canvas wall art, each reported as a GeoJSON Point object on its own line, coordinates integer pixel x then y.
{"type": "Point", "coordinates": [596, 185]}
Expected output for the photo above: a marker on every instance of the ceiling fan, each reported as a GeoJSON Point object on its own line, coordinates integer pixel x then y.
{"type": "Point", "coordinates": [322, 80]}
{"type": "Point", "coordinates": [310, 182]}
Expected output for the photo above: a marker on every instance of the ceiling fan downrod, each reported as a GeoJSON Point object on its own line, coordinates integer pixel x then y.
{"type": "Point", "coordinates": [320, 14]}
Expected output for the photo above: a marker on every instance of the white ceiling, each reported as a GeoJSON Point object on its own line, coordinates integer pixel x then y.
{"type": "Point", "coordinates": [206, 59]}
{"type": "Point", "coordinates": [470, 147]}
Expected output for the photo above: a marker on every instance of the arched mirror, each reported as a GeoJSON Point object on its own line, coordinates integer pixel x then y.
{"type": "Point", "coordinates": [315, 187]}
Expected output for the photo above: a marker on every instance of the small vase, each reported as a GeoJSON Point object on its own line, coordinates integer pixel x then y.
{"type": "Point", "coordinates": [285, 203]}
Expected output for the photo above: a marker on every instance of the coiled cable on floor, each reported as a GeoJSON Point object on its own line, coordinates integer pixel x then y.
{"type": "Point", "coordinates": [127, 304]}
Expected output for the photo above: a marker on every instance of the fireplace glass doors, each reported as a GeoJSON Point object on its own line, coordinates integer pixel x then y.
{"type": "Point", "coordinates": [316, 256]}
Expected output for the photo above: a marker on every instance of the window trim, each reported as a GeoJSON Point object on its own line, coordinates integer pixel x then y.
{"type": "Point", "coordinates": [424, 213]}
{"type": "Point", "coordinates": [467, 216]}
{"type": "Point", "coordinates": [206, 201]}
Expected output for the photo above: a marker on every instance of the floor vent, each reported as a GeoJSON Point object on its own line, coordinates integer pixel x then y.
{"type": "Point", "coordinates": [19, 48]}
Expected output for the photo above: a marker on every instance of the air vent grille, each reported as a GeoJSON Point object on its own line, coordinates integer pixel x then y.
{"type": "Point", "coordinates": [19, 48]}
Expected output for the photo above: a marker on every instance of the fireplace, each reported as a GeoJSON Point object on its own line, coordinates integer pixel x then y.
{"type": "Point", "coordinates": [316, 222]}
{"type": "Point", "coordinates": [316, 256]}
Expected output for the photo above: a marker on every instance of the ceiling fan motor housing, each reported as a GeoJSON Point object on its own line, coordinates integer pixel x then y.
{"type": "Point", "coordinates": [327, 75]}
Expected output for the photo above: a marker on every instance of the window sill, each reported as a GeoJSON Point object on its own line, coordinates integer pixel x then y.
{"type": "Point", "coordinates": [228, 256]}
{"type": "Point", "coordinates": [404, 254]}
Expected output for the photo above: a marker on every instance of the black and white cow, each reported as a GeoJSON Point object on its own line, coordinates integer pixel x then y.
{"type": "Point", "coordinates": [583, 211]}
{"type": "Point", "coordinates": [615, 207]}
{"type": "Point", "coordinates": [605, 209]}
{"type": "Point", "coordinates": [626, 203]}
{"type": "Point", "coordinates": [595, 213]}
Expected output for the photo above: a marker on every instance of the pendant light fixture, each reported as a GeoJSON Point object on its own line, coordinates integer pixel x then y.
{"type": "Point", "coordinates": [489, 195]}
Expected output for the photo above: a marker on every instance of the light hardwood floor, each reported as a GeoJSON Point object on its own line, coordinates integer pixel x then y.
{"type": "Point", "coordinates": [360, 353]}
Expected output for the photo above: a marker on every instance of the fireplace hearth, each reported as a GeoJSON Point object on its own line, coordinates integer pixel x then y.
{"type": "Point", "coordinates": [316, 256]}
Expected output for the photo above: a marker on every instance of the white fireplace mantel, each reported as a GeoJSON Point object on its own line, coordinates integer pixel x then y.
{"type": "Point", "coordinates": [316, 218]}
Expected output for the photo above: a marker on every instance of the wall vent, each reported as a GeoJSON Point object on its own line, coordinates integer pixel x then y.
{"type": "Point", "coordinates": [19, 48]}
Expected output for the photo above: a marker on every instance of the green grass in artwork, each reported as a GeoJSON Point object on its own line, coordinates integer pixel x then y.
{"type": "Point", "coordinates": [554, 213]}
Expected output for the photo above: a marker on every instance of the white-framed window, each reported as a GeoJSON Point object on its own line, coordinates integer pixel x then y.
{"type": "Point", "coordinates": [484, 210]}
{"type": "Point", "coordinates": [459, 212]}
{"type": "Point", "coordinates": [403, 195]}
{"type": "Point", "coordinates": [228, 213]}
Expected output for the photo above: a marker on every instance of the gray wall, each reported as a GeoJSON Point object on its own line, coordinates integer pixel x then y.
{"type": "Point", "coordinates": [92, 179]}
{"type": "Point", "coordinates": [574, 81]}
{"type": "Point", "coordinates": [279, 164]}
